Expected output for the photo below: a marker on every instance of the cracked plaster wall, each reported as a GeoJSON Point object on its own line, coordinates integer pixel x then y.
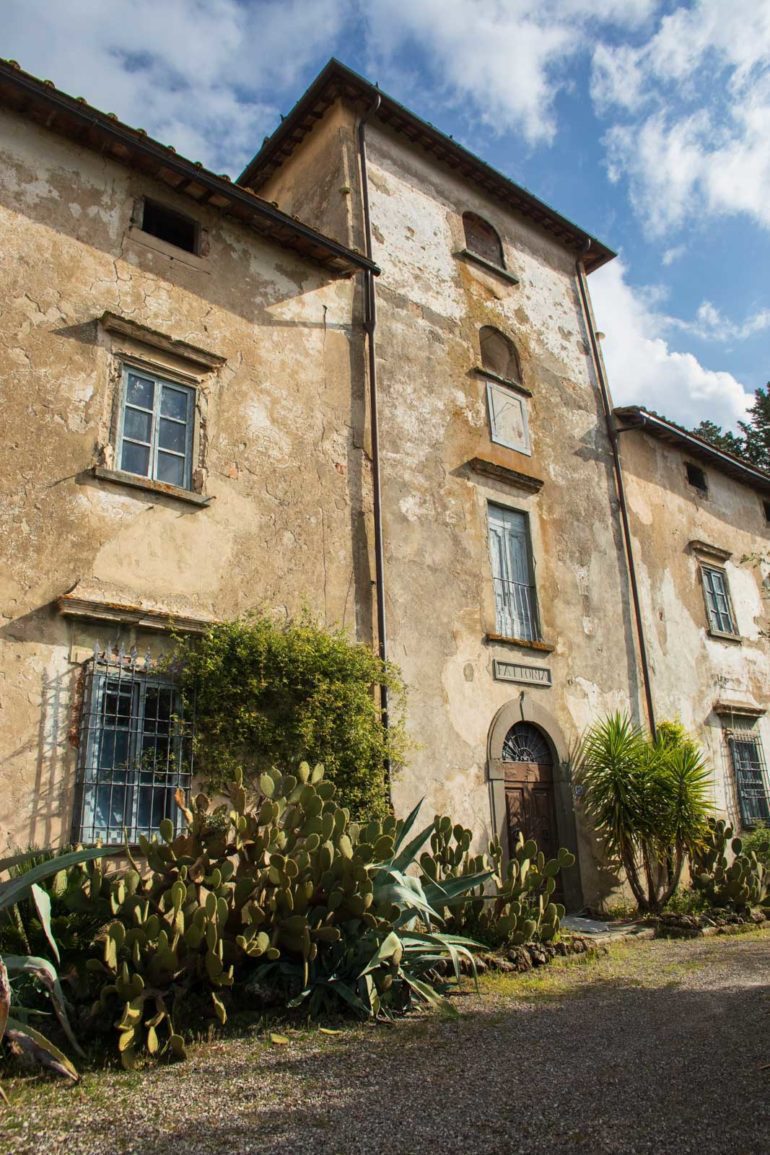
{"type": "Point", "coordinates": [284, 463]}
{"type": "Point", "coordinates": [693, 670]}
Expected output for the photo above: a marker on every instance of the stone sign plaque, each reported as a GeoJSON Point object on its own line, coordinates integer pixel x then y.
{"type": "Point", "coordinates": [517, 672]}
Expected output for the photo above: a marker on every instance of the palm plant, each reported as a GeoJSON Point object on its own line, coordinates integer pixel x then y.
{"type": "Point", "coordinates": [648, 801]}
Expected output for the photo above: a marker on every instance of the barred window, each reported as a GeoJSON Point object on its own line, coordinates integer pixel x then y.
{"type": "Point", "coordinates": [515, 598]}
{"type": "Point", "coordinates": [751, 781]}
{"type": "Point", "coordinates": [134, 751]}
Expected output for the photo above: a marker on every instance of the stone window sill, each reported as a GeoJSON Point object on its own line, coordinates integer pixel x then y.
{"type": "Point", "coordinates": [158, 488]}
{"type": "Point", "coordinates": [521, 643]}
{"type": "Point", "coordinates": [489, 375]}
{"type": "Point", "coordinates": [488, 266]}
{"type": "Point", "coordinates": [723, 637]}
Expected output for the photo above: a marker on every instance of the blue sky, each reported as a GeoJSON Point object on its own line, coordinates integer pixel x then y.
{"type": "Point", "coordinates": [645, 121]}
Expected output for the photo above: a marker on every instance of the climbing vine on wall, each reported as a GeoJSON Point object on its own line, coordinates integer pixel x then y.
{"type": "Point", "coordinates": [275, 694]}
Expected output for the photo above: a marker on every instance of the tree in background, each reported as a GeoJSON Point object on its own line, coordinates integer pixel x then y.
{"type": "Point", "coordinates": [756, 431]}
{"type": "Point", "coordinates": [753, 442]}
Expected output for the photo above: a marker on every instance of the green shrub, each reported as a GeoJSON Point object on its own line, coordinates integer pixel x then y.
{"type": "Point", "coordinates": [278, 896]}
{"type": "Point", "coordinates": [737, 885]}
{"type": "Point", "coordinates": [275, 695]}
{"type": "Point", "coordinates": [649, 802]}
{"type": "Point", "coordinates": [757, 840]}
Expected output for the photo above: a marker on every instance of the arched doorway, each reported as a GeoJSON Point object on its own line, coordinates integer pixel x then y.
{"type": "Point", "coordinates": [528, 765]}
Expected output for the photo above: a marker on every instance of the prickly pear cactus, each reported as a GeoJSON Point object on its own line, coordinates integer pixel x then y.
{"type": "Point", "coordinates": [517, 907]}
{"type": "Point", "coordinates": [739, 884]}
{"type": "Point", "coordinates": [280, 874]}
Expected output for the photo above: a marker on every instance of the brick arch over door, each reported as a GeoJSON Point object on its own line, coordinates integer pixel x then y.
{"type": "Point", "coordinates": [529, 783]}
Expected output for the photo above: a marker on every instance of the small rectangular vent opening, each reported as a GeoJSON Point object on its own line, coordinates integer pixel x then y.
{"type": "Point", "coordinates": [168, 225]}
{"type": "Point", "coordinates": [696, 477]}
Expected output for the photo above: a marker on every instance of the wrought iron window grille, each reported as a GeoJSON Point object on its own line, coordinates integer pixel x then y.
{"type": "Point", "coordinates": [751, 778]}
{"type": "Point", "coordinates": [134, 748]}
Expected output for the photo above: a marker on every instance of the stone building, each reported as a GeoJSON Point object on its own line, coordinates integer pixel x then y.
{"type": "Point", "coordinates": [701, 544]}
{"type": "Point", "coordinates": [365, 378]}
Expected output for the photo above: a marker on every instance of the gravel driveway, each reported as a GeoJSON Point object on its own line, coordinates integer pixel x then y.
{"type": "Point", "coordinates": [657, 1047]}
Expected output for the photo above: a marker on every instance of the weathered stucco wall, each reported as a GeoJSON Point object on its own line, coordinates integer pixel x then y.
{"type": "Point", "coordinates": [279, 431]}
{"type": "Point", "coordinates": [694, 672]}
{"type": "Point", "coordinates": [431, 305]}
{"type": "Point", "coordinates": [320, 184]}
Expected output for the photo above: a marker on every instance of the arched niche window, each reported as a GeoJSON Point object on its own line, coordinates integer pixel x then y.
{"type": "Point", "coordinates": [498, 354]}
{"type": "Point", "coordinates": [482, 240]}
{"type": "Point", "coordinates": [506, 395]}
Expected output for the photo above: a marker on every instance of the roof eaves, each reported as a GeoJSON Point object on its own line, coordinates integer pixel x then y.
{"type": "Point", "coordinates": [94, 129]}
{"type": "Point", "coordinates": [337, 79]}
{"type": "Point", "coordinates": [636, 417]}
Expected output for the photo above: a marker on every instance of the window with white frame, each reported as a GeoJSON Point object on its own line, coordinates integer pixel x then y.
{"type": "Point", "coordinates": [134, 752]}
{"type": "Point", "coordinates": [512, 575]}
{"type": "Point", "coordinates": [751, 781]}
{"type": "Point", "coordinates": [718, 606]}
{"type": "Point", "coordinates": [156, 428]}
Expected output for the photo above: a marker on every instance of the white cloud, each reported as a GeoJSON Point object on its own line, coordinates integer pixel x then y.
{"type": "Point", "coordinates": [198, 74]}
{"type": "Point", "coordinates": [710, 324]}
{"type": "Point", "coordinates": [642, 367]}
{"type": "Point", "coordinates": [507, 59]}
{"type": "Point", "coordinates": [694, 102]}
{"type": "Point", "coordinates": [673, 254]}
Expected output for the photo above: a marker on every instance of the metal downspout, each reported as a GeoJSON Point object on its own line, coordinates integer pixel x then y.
{"type": "Point", "coordinates": [620, 486]}
{"type": "Point", "coordinates": [370, 324]}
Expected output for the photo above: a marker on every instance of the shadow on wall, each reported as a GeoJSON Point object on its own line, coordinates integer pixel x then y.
{"type": "Point", "coordinates": [48, 741]}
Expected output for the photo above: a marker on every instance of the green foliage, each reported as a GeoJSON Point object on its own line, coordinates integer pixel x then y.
{"type": "Point", "coordinates": [758, 840]}
{"type": "Point", "coordinates": [649, 801]}
{"type": "Point", "coordinates": [28, 871]}
{"type": "Point", "coordinates": [722, 439]}
{"type": "Point", "coordinates": [268, 694]}
{"type": "Point", "coordinates": [517, 909]}
{"type": "Point", "coordinates": [740, 884]}
{"type": "Point", "coordinates": [753, 441]}
{"type": "Point", "coordinates": [276, 897]}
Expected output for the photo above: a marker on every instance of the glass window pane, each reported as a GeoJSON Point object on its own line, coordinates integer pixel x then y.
{"type": "Point", "coordinates": [137, 425]}
{"type": "Point", "coordinates": [172, 435]}
{"type": "Point", "coordinates": [140, 391]}
{"type": "Point", "coordinates": [135, 458]}
{"type": "Point", "coordinates": [171, 469]}
{"type": "Point", "coordinates": [173, 403]}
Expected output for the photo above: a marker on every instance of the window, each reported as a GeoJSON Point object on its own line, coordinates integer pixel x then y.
{"type": "Point", "coordinates": [134, 752]}
{"type": "Point", "coordinates": [482, 240]}
{"type": "Point", "coordinates": [156, 429]}
{"type": "Point", "coordinates": [696, 477]}
{"type": "Point", "coordinates": [767, 510]}
{"type": "Point", "coordinates": [515, 601]}
{"type": "Point", "coordinates": [170, 226]}
{"type": "Point", "coordinates": [498, 354]}
{"type": "Point", "coordinates": [718, 607]}
{"type": "Point", "coordinates": [507, 408]}
{"type": "Point", "coordinates": [751, 781]}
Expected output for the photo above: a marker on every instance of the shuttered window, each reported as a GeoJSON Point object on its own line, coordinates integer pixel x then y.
{"type": "Point", "coordinates": [718, 606]}
{"type": "Point", "coordinates": [515, 601]}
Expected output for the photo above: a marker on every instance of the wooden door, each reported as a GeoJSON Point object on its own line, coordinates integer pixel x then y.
{"type": "Point", "coordinates": [529, 793]}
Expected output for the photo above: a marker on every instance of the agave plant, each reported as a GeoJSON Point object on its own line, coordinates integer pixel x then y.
{"type": "Point", "coordinates": [378, 969]}
{"type": "Point", "coordinates": [26, 884]}
{"type": "Point", "coordinates": [649, 801]}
